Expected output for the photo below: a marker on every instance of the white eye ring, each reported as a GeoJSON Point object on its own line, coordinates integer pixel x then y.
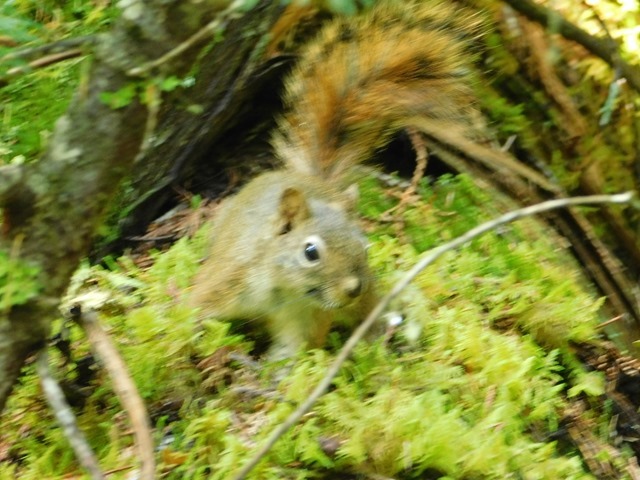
{"type": "Point", "coordinates": [313, 250]}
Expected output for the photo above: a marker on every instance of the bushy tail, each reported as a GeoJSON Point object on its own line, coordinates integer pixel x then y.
{"type": "Point", "coordinates": [366, 77]}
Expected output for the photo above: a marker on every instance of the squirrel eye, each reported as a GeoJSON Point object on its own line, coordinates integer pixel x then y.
{"type": "Point", "coordinates": [311, 252]}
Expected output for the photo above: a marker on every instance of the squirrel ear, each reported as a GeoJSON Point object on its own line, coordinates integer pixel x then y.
{"type": "Point", "coordinates": [293, 209]}
{"type": "Point", "coordinates": [351, 197]}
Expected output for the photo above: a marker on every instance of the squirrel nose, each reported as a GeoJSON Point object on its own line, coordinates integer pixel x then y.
{"type": "Point", "coordinates": [352, 287]}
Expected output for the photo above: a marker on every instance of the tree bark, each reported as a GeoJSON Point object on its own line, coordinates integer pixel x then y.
{"type": "Point", "coordinates": [194, 119]}
{"type": "Point", "coordinates": [53, 207]}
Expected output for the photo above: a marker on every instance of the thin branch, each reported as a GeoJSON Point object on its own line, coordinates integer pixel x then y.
{"type": "Point", "coordinates": [600, 47]}
{"type": "Point", "coordinates": [200, 36]}
{"type": "Point", "coordinates": [601, 22]}
{"type": "Point", "coordinates": [424, 262]}
{"type": "Point", "coordinates": [66, 419]}
{"type": "Point", "coordinates": [125, 389]}
{"type": "Point", "coordinates": [633, 469]}
{"type": "Point", "coordinates": [41, 63]}
{"type": "Point", "coordinates": [611, 321]}
{"type": "Point", "coordinates": [494, 160]}
{"type": "Point", "coordinates": [49, 48]}
{"type": "Point", "coordinates": [6, 41]}
{"type": "Point", "coordinates": [45, 55]}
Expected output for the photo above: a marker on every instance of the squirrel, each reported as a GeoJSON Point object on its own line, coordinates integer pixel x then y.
{"type": "Point", "coordinates": [286, 248]}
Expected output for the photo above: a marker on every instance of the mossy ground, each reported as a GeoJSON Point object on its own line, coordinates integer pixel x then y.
{"type": "Point", "coordinates": [473, 385]}
{"type": "Point", "coordinates": [32, 102]}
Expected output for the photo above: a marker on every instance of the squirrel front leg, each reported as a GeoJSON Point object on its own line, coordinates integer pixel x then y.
{"type": "Point", "coordinates": [297, 326]}
{"type": "Point", "coordinates": [306, 326]}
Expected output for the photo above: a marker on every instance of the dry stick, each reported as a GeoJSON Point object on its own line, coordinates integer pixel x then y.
{"type": "Point", "coordinates": [424, 262]}
{"type": "Point", "coordinates": [50, 48]}
{"type": "Point", "coordinates": [125, 389]}
{"type": "Point", "coordinates": [610, 321]}
{"type": "Point", "coordinates": [200, 36]}
{"type": "Point", "coordinates": [44, 62]}
{"type": "Point", "coordinates": [6, 41]}
{"type": "Point", "coordinates": [66, 418]}
{"type": "Point", "coordinates": [598, 46]}
{"type": "Point", "coordinates": [633, 469]}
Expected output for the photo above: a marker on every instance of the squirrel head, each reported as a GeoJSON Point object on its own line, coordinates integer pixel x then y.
{"type": "Point", "coordinates": [321, 254]}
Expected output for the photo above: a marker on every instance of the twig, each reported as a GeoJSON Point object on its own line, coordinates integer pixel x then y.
{"type": "Point", "coordinates": [6, 41]}
{"type": "Point", "coordinates": [125, 389]}
{"type": "Point", "coordinates": [49, 48]}
{"type": "Point", "coordinates": [611, 321]}
{"type": "Point", "coordinates": [66, 419]}
{"type": "Point", "coordinates": [633, 469]}
{"type": "Point", "coordinates": [422, 158]}
{"type": "Point", "coordinates": [48, 54]}
{"type": "Point", "coordinates": [575, 124]}
{"type": "Point", "coordinates": [495, 160]}
{"type": "Point", "coordinates": [425, 261]}
{"type": "Point", "coordinates": [200, 36]}
{"type": "Point", "coordinates": [601, 22]}
{"type": "Point", "coordinates": [409, 194]}
{"type": "Point", "coordinates": [614, 87]}
{"type": "Point", "coordinates": [44, 62]}
{"type": "Point", "coordinates": [598, 46]}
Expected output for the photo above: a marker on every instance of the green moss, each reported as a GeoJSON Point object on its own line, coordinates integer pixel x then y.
{"type": "Point", "coordinates": [27, 112]}
{"type": "Point", "coordinates": [481, 363]}
{"type": "Point", "coordinates": [18, 282]}
{"type": "Point", "coordinates": [471, 386]}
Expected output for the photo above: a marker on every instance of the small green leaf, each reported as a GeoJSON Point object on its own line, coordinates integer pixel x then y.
{"type": "Point", "coordinates": [169, 84]}
{"type": "Point", "coordinates": [120, 98]}
{"type": "Point", "coordinates": [591, 383]}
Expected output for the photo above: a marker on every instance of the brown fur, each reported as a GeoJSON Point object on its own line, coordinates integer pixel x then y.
{"type": "Point", "coordinates": [358, 83]}
{"type": "Point", "coordinates": [364, 79]}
